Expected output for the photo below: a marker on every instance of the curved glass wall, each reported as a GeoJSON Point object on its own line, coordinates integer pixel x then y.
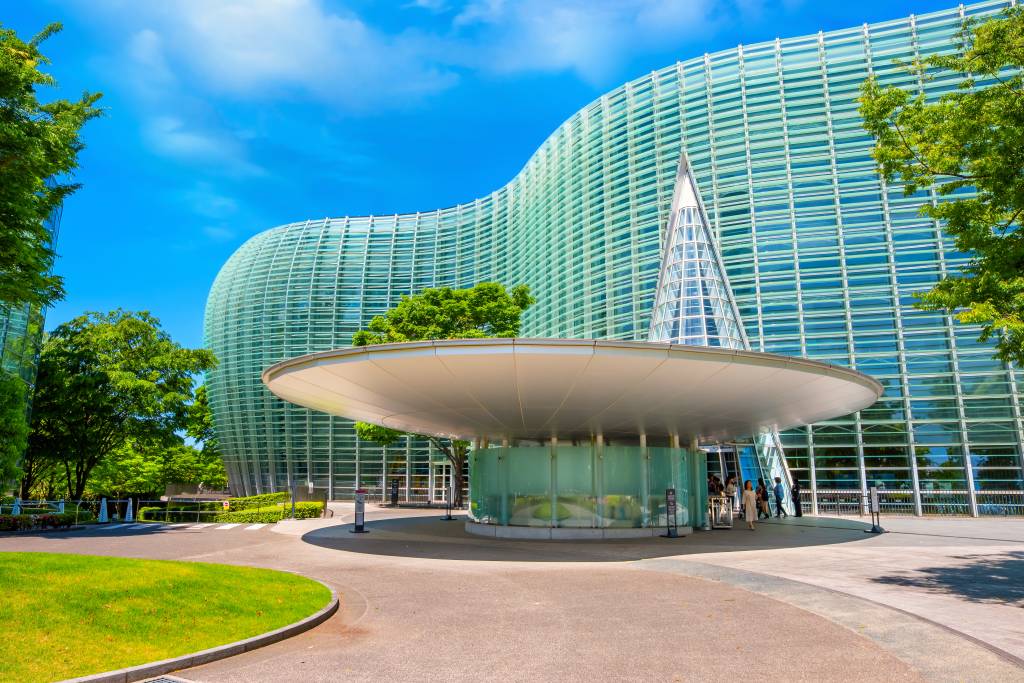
{"type": "Point", "coordinates": [585, 487]}
{"type": "Point", "coordinates": [822, 256]}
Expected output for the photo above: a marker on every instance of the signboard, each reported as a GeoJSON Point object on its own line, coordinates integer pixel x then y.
{"type": "Point", "coordinates": [671, 526]}
{"type": "Point", "coordinates": [394, 492]}
{"type": "Point", "coordinates": [360, 512]}
{"type": "Point", "coordinates": [873, 498]}
{"type": "Point", "coordinates": [225, 504]}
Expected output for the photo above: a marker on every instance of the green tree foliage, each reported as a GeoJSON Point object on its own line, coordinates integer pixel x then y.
{"type": "Point", "coordinates": [486, 310]}
{"type": "Point", "coordinates": [186, 464]}
{"type": "Point", "coordinates": [969, 146]}
{"type": "Point", "coordinates": [107, 380]}
{"type": "Point", "coordinates": [200, 422]}
{"type": "Point", "coordinates": [13, 427]}
{"type": "Point", "coordinates": [382, 436]}
{"type": "Point", "coordinates": [139, 468]}
{"type": "Point", "coordinates": [39, 144]}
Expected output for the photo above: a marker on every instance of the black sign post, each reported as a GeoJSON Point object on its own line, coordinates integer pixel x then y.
{"type": "Point", "coordinates": [875, 508]}
{"type": "Point", "coordinates": [394, 492]}
{"type": "Point", "coordinates": [671, 526]}
{"type": "Point", "coordinates": [360, 513]}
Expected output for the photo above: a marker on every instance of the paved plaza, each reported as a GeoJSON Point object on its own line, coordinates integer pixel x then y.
{"type": "Point", "coordinates": [810, 599]}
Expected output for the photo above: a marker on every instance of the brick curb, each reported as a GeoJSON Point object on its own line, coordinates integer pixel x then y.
{"type": "Point", "coordinates": [152, 669]}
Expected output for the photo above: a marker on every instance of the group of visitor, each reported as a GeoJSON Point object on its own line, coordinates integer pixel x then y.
{"type": "Point", "coordinates": [755, 501]}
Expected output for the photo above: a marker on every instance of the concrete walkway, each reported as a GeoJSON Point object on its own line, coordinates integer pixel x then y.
{"type": "Point", "coordinates": [421, 598]}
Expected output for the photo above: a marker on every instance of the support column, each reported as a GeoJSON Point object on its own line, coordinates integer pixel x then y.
{"type": "Point", "coordinates": [645, 482]}
{"type": "Point", "coordinates": [503, 482]}
{"type": "Point", "coordinates": [597, 479]}
{"type": "Point", "coordinates": [408, 467]}
{"type": "Point", "coordinates": [699, 503]}
{"type": "Point", "coordinates": [553, 449]}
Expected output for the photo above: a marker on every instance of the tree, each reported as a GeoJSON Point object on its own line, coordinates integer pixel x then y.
{"type": "Point", "coordinates": [969, 146]}
{"type": "Point", "coordinates": [486, 310]}
{"type": "Point", "coordinates": [13, 426]}
{"type": "Point", "coordinates": [200, 422]}
{"type": "Point", "coordinates": [140, 468]}
{"type": "Point", "coordinates": [186, 464]}
{"type": "Point", "coordinates": [39, 144]}
{"type": "Point", "coordinates": [106, 380]}
{"type": "Point", "coordinates": [131, 469]}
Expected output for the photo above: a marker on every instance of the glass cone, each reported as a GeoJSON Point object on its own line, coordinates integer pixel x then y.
{"type": "Point", "coordinates": [693, 304]}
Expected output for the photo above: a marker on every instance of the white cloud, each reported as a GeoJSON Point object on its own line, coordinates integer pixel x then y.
{"type": "Point", "coordinates": [171, 137]}
{"type": "Point", "coordinates": [219, 233]}
{"type": "Point", "coordinates": [265, 49]}
{"type": "Point", "coordinates": [205, 200]}
{"type": "Point", "coordinates": [590, 38]}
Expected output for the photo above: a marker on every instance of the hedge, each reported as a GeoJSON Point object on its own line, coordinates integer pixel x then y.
{"type": "Point", "coordinates": [172, 514]}
{"type": "Point", "coordinates": [263, 500]}
{"type": "Point", "coordinates": [43, 521]}
{"type": "Point", "coordinates": [269, 515]}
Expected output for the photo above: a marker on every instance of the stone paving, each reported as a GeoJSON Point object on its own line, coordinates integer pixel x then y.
{"type": "Point", "coordinates": [812, 599]}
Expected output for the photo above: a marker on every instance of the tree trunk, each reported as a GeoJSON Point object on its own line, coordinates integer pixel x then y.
{"type": "Point", "coordinates": [457, 458]}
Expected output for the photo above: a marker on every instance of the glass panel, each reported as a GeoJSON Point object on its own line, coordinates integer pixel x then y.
{"type": "Point", "coordinates": [623, 486]}
{"type": "Point", "coordinates": [664, 473]}
{"type": "Point", "coordinates": [485, 504]}
{"type": "Point", "coordinates": [577, 498]}
{"type": "Point", "coordinates": [529, 486]}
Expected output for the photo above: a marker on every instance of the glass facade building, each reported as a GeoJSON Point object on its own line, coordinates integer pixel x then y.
{"type": "Point", "coordinates": [823, 258]}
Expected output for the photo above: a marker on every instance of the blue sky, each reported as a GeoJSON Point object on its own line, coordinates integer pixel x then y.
{"type": "Point", "coordinates": [228, 117]}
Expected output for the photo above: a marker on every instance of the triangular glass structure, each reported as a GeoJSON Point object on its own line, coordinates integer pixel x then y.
{"type": "Point", "coordinates": [693, 304]}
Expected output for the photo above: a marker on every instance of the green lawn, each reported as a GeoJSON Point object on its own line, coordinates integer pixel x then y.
{"type": "Point", "coordinates": [72, 615]}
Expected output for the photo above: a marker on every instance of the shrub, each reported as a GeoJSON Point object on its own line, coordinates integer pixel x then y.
{"type": "Point", "coordinates": [175, 513]}
{"type": "Point", "coordinates": [263, 500]}
{"type": "Point", "coordinates": [269, 515]}
{"type": "Point", "coordinates": [15, 522]}
{"type": "Point", "coordinates": [25, 522]}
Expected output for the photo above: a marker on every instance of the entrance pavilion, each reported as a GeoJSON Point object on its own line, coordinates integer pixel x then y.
{"type": "Point", "coordinates": [575, 438]}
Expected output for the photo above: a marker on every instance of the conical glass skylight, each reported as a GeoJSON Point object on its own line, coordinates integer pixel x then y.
{"type": "Point", "coordinates": [693, 304]}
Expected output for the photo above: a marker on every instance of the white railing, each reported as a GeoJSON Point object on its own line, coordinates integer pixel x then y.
{"type": "Point", "coordinates": [901, 502]}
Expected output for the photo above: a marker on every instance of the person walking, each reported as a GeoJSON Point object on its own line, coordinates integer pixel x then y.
{"type": "Point", "coordinates": [762, 499]}
{"type": "Point", "coordinates": [749, 501]}
{"type": "Point", "coordinates": [731, 491]}
{"type": "Point", "coordinates": [780, 495]}
{"type": "Point", "coordinates": [798, 507]}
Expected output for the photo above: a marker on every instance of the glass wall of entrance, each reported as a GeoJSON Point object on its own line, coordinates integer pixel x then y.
{"type": "Point", "coordinates": [590, 486]}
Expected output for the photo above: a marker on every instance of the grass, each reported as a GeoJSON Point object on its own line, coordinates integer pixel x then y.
{"type": "Point", "coordinates": [73, 615]}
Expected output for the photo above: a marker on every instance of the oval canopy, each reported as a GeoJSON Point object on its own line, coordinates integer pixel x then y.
{"type": "Point", "coordinates": [569, 388]}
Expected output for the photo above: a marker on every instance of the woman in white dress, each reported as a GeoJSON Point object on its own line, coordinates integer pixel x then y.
{"type": "Point", "coordinates": [749, 504]}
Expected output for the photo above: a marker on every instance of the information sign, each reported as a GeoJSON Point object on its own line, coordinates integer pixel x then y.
{"type": "Point", "coordinates": [671, 526]}
{"type": "Point", "coordinates": [360, 512]}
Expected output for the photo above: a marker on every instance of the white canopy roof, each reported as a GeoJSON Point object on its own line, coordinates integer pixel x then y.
{"type": "Point", "coordinates": [538, 388]}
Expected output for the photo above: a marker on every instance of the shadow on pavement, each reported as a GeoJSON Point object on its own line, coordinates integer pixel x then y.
{"type": "Point", "coordinates": [991, 578]}
{"type": "Point", "coordinates": [432, 538]}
